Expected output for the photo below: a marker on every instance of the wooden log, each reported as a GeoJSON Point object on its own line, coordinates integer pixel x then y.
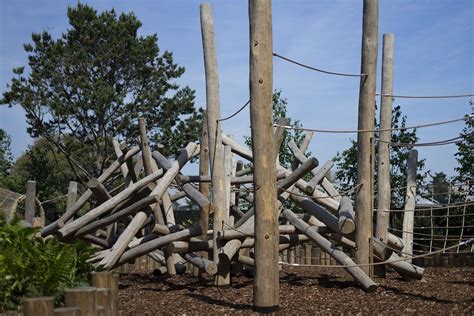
{"type": "Point", "coordinates": [110, 281]}
{"type": "Point", "coordinates": [30, 201]}
{"type": "Point", "coordinates": [410, 204]}
{"type": "Point", "coordinates": [203, 172]}
{"type": "Point", "coordinates": [383, 168]}
{"type": "Point", "coordinates": [82, 298]}
{"type": "Point", "coordinates": [99, 190]}
{"type": "Point", "coordinates": [364, 198]}
{"type": "Point", "coordinates": [238, 149]}
{"type": "Point", "coordinates": [124, 239]}
{"type": "Point", "coordinates": [38, 306]}
{"type": "Point", "coordinates": [233, 234]}
{"type": "Point", "coordinates": [406, 269]}
{"type": "Point", "coordinates": [330, 189]}
{"type": "Point", "coordinates": [108, 205]}
{"type": "Point", "coordinates": [146, 152]}
{"type": "Point", "coordinates": [266, 281]}
{"type": "Point", "coordinates": [103, 297]}
{"type": "Point", "coordinates": [117, 215]}
{"type": "Point", "coordinates": [123, 168]}
{"type": "Point", "coordinates": [51, 228]}
{"type": "Point", "coordinates": [208, 266]}
{"type": "Point", "coordinates": [318, 176]}
{"type": "Point", "coordinates": [346, 216]}
{"type": "Point", "coordinates": [302, 148]}
{"type": "Point", "coordinates": [227, 180]}
{"type": "Point", "coordinates": [197, 197]}
{"type": "Point", "coordinates": [356, 272]}
{"type": "Point", "coordinates": [231, 248]}
{"type": "Point", "coordinates": [300, 172]}
{"type": "Point", "coordinates": [156, 243]}
{"type": "Point", "coordinates": [279, 136]}
{"type": "Point", "coordinates": [67, 311]}
{"type": "Point", "coordinates": [71, 194]}
{"type": "Point", "coordinates": [214, 131]}
{"type": "Point", "coordinates": [244, 171]}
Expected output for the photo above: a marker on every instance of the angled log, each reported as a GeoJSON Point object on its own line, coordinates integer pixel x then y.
{"type": "Point", "coordinates": [366, 283]}
{"type": "Point", "coordinates": [156, 243]}
{"type": "Point", "coordinates": [346, 216]}
{"type": "Point", "coordinates": [146, 152]}
{"type": "Point", "coordinates": [124, 239]}
{"type": "Point", "coordinates": [406, 269]}
{"type": "Point", "coordinates": [51, 228]}
{"type": "Point", "coordinates": [331, 190]}
{"type": "Point", "coordinates": [203, 264]}
{"type": "Point", "coordinates": [279, 135]}
{"type": "Point", "coordinates": [99, 190]}
{"type": "Point", "coordinates": [303, 147]}
{"type": "Point", "coordinates": [318, 177]}
{"type": "Point", "coordinates": [234, 234]}
{"type": "Point", "coordinates": [197, 197]}
{"type": "Point", "coordinates": [126, 167]}
{"type": "Point", "coordinates": [299, 173]}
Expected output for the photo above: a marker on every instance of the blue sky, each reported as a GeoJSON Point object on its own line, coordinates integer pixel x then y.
{"type": "Point", "coordinates": [434, 45]}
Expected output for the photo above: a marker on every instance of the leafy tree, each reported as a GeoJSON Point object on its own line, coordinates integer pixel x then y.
{"type": "Point", "coordinates": [6, 157]}
{"type": "Point", "coordinates": [94, 82]}
{"type": "Point", "coordinates": [346, 162]}
{"type": "Point", "coordinates": [279, 111]}
{"type": "Point", "coordinates": [465, 156]}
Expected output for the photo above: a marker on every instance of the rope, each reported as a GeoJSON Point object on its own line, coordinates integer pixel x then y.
{"type": "Point", "coordinates": [436, 143]}
{"type": "Point", "coordinates": [317, 69]}
{"type": "Point", "coordinates": [428, 208]}
{"type": "Point", "coordinates": [467, 242]}
{"type": "Point", "coordinates": [373, 130]}
{"type": "Point", "coordinates": [235, 113]}
{"type": "Point", "coordinates": [426, 96]}
{"type": "Point", "coordinates": [54, 199]}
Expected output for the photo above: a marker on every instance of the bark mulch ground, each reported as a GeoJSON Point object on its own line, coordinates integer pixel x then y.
{"type": "Point", "coordinates": [303, 290]}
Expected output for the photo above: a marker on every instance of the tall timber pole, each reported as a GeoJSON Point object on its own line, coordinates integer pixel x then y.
{"type": "Point", "coordinates": [266, 281]}
{"type": "Point", "coordinates": [364, 200]}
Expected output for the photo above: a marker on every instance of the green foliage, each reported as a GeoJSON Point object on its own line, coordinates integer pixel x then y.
{"type": "Point", "coordinates": [465, 155]}
{"type": "Point", "coordinates": [32, 266]}
{"type": "Point", "coordinates": [94, 82]}
{"type": "Point", "coordinates": [6, 157]}
{"type": "Point", "coordinates": [279, 111]}
{"type": "Point", "coordinates": [346, 162]}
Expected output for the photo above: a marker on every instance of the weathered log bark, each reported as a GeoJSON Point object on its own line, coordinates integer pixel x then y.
{"type": "Point", "coordinates": [205, 265]}
{"type": "Point", "coordinates": [38, 306]}
{"type": "Point", "coordinates": [366, 283]}
{"type": "Point", "coordinates": [346, 216]}
{"type": "Point", "coordinates": [82, 298]}
{"type": "Point", "coordinates": [234, 234]}
{"type": "Point", "coordinates": [318, 177]}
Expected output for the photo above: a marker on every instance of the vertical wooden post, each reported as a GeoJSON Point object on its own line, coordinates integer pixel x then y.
{"type": "Point", "coordinates": [83, 298]}
{"type": "Point", "coordinates": [204, 171]}
{"type": "Point", "coordinates": [383, 184]}
{"type": "Point", "coordinates": [30, 201]}
{"type": "Point", "coordinates": [364, 200]}
{"type": "Point", "coordinates": [38, 306]}
{"type": "Point", "coordinates": [110, 281]}
{"type": "Point", "coordinates": [410, 203]}
{"type": "Point", "coordinates": [266, 281]}
{"type": "Point", "coordinates": [214, 132]}
{"type": "Point", "coordinates": [146, 152]}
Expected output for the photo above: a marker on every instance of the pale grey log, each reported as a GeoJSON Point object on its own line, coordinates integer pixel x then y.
{"type": "Point", "coordinates": [214, 130]}
{"type": "Point", "coordinates": [168, 207]}
{"type": "Point", "coordinates": [137, 168]}
{"type": "Point", "coordinates": [117, 215]}
{"type": "Point", "coordinates": [233, 234]}
{"type": "Point", "coordinates": [304, 145]}
{"type": "Point", "coordinates": [30, 201]}
{"type": "Point", "coordinates": [346, 216]}
{"type": "Point", "coordinates": [108, 205]}
{"type": "Point", "coordinates": [124, 167]}
{"type": "Point", "coordinates": [299, 173]}
{"type": "Point", "coordinates": [356, 272]}
{"type": "Point", "coordinates": [177, 196]}
{"type": "Point", "coordinates": [51, 228]}
{"type": "Point", "coordinates": [238, 149]}
{"type": "Point", "coordinates": [146, 152]}
{"type": "Point", "coordinates": [99, 190]}
{"type": "Point", "coordinates": [235, 210]}
{"type": "Point", "coordinates": [203, 264]}
{"type": "Point", "coordinates": [383, 169]}
{"type": "Point", "coordinates": [228, 251]}
{"type": "Point", "coordinates": [330, 189]}
{"type": "Point", "coordinates": [204, 172]}
{"type": "Point", "coordinates": [151, 245]}
{"type": "Point", "coordinates": [122, 242]}
{"type": "Point", "coordinates": [395, 242]}
{"type": "Point", "coordinates": [243, 172]}
{"type": "Point", "coordinates": [364, 198]}
{"type": "Point", "coordinates": [71, 196]}
{"type": "Point", "coordinates": [407, 270]}
{"type": "Point", "coordinates": [410, 204]}
{"type": "Point", "coordinates": [318, 177]}
{"type": "Point", "coordinates": [279, 135]}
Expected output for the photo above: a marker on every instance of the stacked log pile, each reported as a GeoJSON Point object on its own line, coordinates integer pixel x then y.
{"type": "Point", "coordinates": [139, 218]}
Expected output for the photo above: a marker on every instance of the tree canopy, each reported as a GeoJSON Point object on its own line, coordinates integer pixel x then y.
{"type": "Point", "coordinates": [94, 82]}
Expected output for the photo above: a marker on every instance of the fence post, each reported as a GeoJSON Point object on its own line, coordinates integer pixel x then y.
{"type": "Point", "coordinates": [38, 306]}
{"type": "Point", "coordinates": [30, 201]}
{"type": "Point", "coordinates": [110, 281]}
{"type": "Point", "coordinates": [410, 204]}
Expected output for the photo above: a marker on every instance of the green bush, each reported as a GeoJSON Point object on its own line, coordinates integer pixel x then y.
{"type": "Point", "coordinates": [32, 266]}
